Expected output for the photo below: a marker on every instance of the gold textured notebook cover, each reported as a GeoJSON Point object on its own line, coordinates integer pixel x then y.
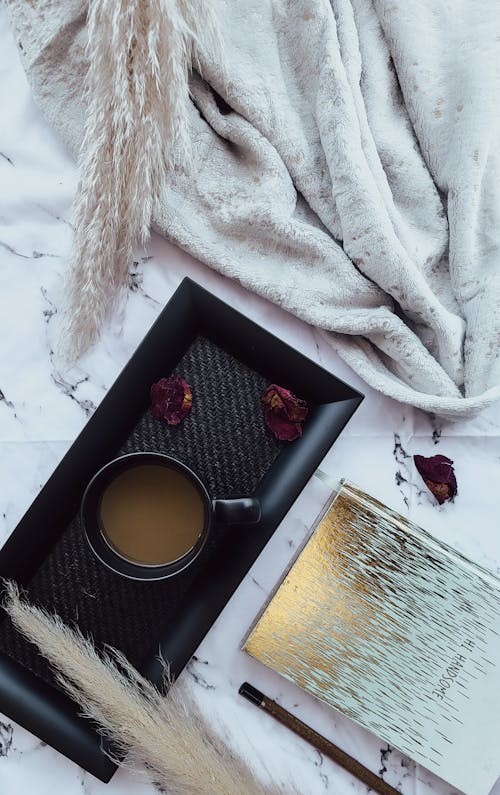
{"type": "Point", "coordinates": [397, 631]}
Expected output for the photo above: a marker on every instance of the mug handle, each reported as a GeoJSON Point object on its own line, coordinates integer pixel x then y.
{"type": "Point", "coordinates": [244, 510]}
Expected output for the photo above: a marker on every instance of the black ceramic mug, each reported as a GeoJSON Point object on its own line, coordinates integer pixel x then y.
{"type": "Point", "coordinates": [152, 545]}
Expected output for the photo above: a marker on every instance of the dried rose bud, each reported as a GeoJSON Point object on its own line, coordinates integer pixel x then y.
{"type": "Point", "coordinates": [171, 399]}
{"type": "Point", "coordinates": [438, 475]}
{"type": "Point", "coordinates": [283, 412]}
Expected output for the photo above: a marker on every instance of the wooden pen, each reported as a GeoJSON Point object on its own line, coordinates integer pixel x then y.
{"type": "Point", "coordinates": [317, 740]}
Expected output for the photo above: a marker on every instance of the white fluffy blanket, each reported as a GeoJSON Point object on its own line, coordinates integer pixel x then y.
{"type": "Point", "coordinates": [345, 166]}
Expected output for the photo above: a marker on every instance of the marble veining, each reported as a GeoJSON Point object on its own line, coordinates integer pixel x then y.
{"type": "Point", "coordinates": [6, 732]}
{"type": "Point", "coordinates": [43, 408]}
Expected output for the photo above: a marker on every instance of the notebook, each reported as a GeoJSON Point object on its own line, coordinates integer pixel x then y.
{"type": "Point", "coordinates": [395, 630]}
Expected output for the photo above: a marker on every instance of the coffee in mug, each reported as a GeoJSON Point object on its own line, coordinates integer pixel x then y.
{"type": "Point", "coordinates": [147, 516]}
{"type": "Point", "coordinates": [152, 514]}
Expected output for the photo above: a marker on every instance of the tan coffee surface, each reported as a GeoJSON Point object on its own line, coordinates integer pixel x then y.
{"type": "Point", "coordinates": [151, 514]}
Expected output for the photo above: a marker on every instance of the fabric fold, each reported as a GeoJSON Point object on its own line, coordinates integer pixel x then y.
{"type": "Point", "coordinates": [344, 156]}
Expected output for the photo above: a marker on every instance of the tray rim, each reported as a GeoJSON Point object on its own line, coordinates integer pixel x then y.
{"type": "Point", "coordinates": [191, 311]}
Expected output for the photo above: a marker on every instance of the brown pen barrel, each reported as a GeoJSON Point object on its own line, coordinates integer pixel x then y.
{"type": "Point", "coordinates": [329, 749]}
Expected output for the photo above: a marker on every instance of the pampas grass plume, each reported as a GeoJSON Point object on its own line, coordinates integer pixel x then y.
{"type": "Point", "coordinates": [136, 100]}
{"type": "Point", "coordinates": [168, 733]}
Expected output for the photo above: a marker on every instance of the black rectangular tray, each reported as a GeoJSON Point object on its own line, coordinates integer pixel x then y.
{"type": "Point", "coordinates": [228, 360]}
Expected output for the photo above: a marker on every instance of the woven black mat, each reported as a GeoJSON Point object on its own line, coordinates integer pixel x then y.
{"type": "Point", "coordinates": [225, 441]}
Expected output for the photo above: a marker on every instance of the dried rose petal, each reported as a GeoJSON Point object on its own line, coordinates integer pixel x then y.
{"type": "Point", "coordinates": [284, 412]}
{"type": "Point", "coordinates": [171, 399]}
{"type": "Point", "coordinates": [438, 475]}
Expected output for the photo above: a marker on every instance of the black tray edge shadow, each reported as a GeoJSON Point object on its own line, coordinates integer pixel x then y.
{"type": "Point", "coordinates": [191, 311]}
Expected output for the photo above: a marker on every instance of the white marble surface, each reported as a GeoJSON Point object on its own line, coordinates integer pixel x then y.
{"type": "Point", "coordinates": [42, 411]}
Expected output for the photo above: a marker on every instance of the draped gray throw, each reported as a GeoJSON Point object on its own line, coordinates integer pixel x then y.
{"type": "Point", "coordinates": [339, 157]}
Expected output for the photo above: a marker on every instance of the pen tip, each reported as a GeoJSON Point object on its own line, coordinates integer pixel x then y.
{"type": "Point", "coordinates": [251, 693]}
